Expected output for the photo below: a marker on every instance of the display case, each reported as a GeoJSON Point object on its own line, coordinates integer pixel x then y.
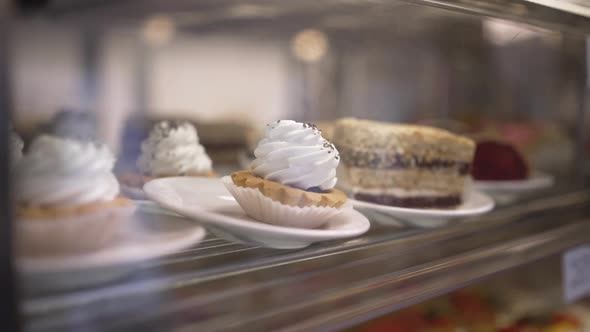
{"type": "Point", "coordinates": [127, 121]}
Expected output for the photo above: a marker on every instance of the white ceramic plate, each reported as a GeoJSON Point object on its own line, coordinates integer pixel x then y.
{"type": "Point", "coordinates": [132, 192]}
{"type": "Point", "coordinates": [506, 192]}
{"type": "Point", "coordinates": [474, 203]}
{"type": "Point", "coordinates": [149, 237]}
{"type": "Point", "coordinates": [536, 181]}
{"type": "Point", "coordinates": [208, 201]}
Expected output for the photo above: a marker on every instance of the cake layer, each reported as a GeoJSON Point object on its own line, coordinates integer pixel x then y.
{"type": "Point", "coordinates": [354, 157]}
{"type": "Point", "coordinates": [408, 179]}
{"type": "Point", "coordinates": [386, 145]}
{"type": "Point", "coordinates": [398, 192]}
{"type": "Point", "coordinates": [412, 202]}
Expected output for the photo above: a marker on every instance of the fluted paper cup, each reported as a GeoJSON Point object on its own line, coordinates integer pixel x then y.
{"type": "Point", "coordinates": [50, 236]}
{"type": "Point", "coordinates": [264, 209]}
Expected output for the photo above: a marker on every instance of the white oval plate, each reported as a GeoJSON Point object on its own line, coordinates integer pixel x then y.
{"type": "Point", "coordinates": [208, 201]}
{"type": "Point", "coordinates": [537, 180]}
{"type": "Point", "coordinates": [148, 238]}
{"type": "Point", "coordinates": [133, 193]}
{"type": "Point", "coordinates": [474, 203]}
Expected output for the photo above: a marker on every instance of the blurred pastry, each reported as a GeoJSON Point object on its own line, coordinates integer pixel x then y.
{"type": "Point", "coordinates": [78, 125]}
{"type": "Point", "coordinates": [67, 197]}
{"type": "Point", "coordinates": [291, 181]}
{"type": "Point", "coordinates": [16, 148]}
{"type": "Point", "coordinates": [172, 149]}
{"type": "Point", "coordinates": [555, 322]}
{"type": "Point", "coordinates": [403, 165]}
{"type": "Point", "coordinates": [495, 160]}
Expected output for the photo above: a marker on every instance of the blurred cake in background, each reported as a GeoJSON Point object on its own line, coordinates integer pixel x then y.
{"type": "Point", "coordinates": [546, 146]}
{"type": "Point", "coordinates": [403, 165]}
{"type": "Point", "coordinates": [223, 140]}
{"type": "Point", "coordinates": [463, 310]}
{"type": "Point", "coordinates": [552, 322]}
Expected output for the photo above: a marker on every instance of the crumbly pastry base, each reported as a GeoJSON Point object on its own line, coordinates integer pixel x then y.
{"type": "Point", "coordinates": [42, 213]}
{"type": "Point", "coordinates": [288, 195]}
{"type": "Point", "coordinates": [137, 180]}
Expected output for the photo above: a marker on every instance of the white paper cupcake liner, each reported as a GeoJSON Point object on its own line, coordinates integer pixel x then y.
{"type": "Point", "coordinates": [71, 235]}
{"type": "Point", "coordinates": [264, 209]}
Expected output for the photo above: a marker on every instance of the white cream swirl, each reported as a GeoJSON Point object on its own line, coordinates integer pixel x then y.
{"type": "Point", "coordinates": [62, 172]}
{"type": "Point", "coordinates": [295, 154]}
{"type": "Point", "coordinates": [173, 149]}
{"type": "Point", "coordinates": [16, 148]}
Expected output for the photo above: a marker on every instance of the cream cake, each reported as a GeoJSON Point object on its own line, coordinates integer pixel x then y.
{"type": "Point", "coordinates": [403, 165]}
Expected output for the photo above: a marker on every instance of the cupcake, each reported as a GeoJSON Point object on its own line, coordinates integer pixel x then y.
{"type": "Point", "coordinates": [67, 198]}
{"type": "Point", "coordinates": [291, 181]}
{"type": "Point", "coordinates": [16, 148]}
{"type": "Point", "coordinates": [171, 149]}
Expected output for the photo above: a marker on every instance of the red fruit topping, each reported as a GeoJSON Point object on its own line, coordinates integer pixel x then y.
{"type": "Point", "coordinates": [498, 161]}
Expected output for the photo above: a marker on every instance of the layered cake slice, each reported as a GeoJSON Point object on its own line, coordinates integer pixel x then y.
{"type": "Point", "coordinates": [403, 165]}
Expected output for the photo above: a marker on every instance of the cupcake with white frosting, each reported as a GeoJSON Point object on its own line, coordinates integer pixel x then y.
{"type": "Point", "coordinates": [291, 181]}
{"type": "Point", "coordinates": [171, 149]}
{"type": "Point", "coordinates": [67, 197]}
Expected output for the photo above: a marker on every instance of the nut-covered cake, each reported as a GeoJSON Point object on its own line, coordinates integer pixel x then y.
{"type": "Point", "coordinates": [403, 165]}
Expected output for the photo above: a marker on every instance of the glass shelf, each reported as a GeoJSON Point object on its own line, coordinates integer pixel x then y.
{"type": "Point", "coordinates": [224, 286]}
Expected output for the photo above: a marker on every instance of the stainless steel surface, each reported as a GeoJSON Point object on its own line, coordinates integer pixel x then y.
{"type": "Point", "coordinates": [223, 286]}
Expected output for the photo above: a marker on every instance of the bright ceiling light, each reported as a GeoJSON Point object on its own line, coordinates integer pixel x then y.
{"type": "Point", "coordinates": [158, 30]}
{"type": "Point", "coordinates": [310, 45]}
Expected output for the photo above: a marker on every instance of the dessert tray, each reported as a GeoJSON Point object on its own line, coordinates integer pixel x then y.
{"type": "Point", "coordinates": [474, 203]}
{"type": "Point", "coordinates": [208, 201]}
{"type": "Point", "coordinates": [149, 237]}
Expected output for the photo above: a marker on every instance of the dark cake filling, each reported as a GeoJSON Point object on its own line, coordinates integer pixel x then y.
{"type": "Point", "coordinates": [317, 190]}
{"type": "Point", "coordinates": [412, 202]}
{"type": "Point", "coordinates": [353, 158]}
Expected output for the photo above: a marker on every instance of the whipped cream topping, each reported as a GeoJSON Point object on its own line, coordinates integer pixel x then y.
{"type": "Point", "coordinates": [62, 172]}
{"type": "Point", "coordinates": [173, 148]}
{"type": "Point", "coordinates": [295, 154]}
{"type": "Point", "coordinates": [16, 148]}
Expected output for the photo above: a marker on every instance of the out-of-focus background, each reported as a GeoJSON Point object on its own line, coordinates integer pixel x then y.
{"type": "Point", "coordinates": [514, 71]}
{"type": "Point", "coordinates": [249, 64]}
